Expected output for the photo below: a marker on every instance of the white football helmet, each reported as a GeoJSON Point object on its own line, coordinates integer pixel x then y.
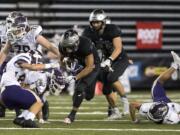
{"type": "Point", "coordinates": [18, 29]}
{"type": "Point", "coordinates": [10, 18]}
{"type": "Point", "coordinates": [97, 15]}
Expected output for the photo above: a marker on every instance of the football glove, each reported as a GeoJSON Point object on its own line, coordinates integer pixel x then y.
{"type": "Point", "coordinates": [52, 65]}
{"type": "Point", "coordinates": [70, 78]}
{"type": "Point", "coordinates": [107, 63]}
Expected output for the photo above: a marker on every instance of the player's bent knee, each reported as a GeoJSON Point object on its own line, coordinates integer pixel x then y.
{"type": "Point", "coordinates": [107, 91]}
{"type": "Point", "coordinates": [89, 97]}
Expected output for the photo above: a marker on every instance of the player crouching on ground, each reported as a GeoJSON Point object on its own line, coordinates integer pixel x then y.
{"type": "Point", "coordinates": [13, 96]}
{"type": "Point", "coordinates": [162, 110]}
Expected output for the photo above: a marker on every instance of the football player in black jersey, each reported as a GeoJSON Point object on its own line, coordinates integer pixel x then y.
{"type": "Point", "coordinates": [82, 49]}
{"type": "Point", "coordinates": [114, 60]}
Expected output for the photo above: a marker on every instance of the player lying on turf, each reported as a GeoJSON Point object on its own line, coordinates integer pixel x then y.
{"type": "Point", "coordinates": [162, 109]}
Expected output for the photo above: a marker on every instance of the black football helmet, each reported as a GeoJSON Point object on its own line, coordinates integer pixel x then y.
{"type": "Point", "coordinates": [69, 41]}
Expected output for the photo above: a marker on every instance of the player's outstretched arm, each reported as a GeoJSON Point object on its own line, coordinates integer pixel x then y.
{"type": "Point", "coordinates": [45, 43]}
{"type": "Point", "coordinates": [36, 67]}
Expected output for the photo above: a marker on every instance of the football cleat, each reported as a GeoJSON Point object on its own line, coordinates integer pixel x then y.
{"type": "Point", "coordinates": [29, 124]}
{"type": "Point", "coordinates": [125, 113]}
{"type": "Point", "coordinates": [115, 114]}
{"type": "Point", "coordinates": [69, 119]}
{"type": "Point", "coordinates": [19, 121]}
{"type": "Point", "coordinates": [176, 58]}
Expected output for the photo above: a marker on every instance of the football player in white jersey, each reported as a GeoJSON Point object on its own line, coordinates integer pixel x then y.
{"type": "Point", "coordinates": [4, 26]}
{"type": "Point", "coordinates": [22, 38]}
{"type": "Point", "coordinates": [3, 37]}
{"type": "Point", "coordinates": [13, 96]}
{"type": "Point", "coordinates": [37, 81]}
{"type": "Point", "coordinates": [2, 34]}
{"type": "Point", "coordinates": [162, 109]}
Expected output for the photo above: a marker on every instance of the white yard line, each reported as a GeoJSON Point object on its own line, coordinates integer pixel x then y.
{"type": "Point", "coordinates": [102, 98]}
{"type": "Point", "coordinates": [99, 102]}
{"type": "Point", "coordinates": [95, 129]}
{"type": "Point", "coordinates": [86, 120]}
{"type": "Point", "coordinates": [81, 113]}
{"type": "Point", "coordinates": [81, 108]}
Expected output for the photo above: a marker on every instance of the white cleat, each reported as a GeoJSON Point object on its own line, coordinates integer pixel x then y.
{"type": "Point", "coordinates": [114, 117]}
{"type": "Point", "coordinates": [176, 58]}
{"type": "Point", "coordinates": [67, 121]}
{"type": "Point", "coordinates": [125, 113]}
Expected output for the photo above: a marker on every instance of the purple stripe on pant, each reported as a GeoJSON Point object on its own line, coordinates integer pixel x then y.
{"type": "Point", "coordinates": [158, 93]}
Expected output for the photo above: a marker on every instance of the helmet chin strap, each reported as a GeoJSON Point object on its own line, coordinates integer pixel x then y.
{"type": "Point", "coordinates": [100, 31]}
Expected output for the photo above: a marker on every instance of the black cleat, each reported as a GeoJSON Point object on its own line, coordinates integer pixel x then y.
{"type": "Point", "coordinates": [19, 121]}
{"type": "Point", "coordinates": [29, 124]}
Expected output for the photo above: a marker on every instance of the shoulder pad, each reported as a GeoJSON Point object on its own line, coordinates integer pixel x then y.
{"type": "Point", "coordinates": [36, 29]}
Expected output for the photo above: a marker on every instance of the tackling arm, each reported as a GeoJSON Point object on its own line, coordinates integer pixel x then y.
{"type": "Point", "coordinates": [36, 67]}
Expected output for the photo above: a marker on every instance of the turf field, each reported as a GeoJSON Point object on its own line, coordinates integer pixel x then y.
{"type": "Point", "coordinates": [91, 119]}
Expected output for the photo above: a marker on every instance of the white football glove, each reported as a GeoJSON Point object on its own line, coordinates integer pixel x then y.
{"type": "Point", "coordinates": [55, 65]}
{"type": "Point", "coordinates": [107, 63]}
{"type": "Point", "coordinates": [70, 78]}
{"type": "Point", "coordinates": [52, 65]}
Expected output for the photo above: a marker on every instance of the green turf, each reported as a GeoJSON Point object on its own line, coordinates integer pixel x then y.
{"type": "Point", "coordinates": [91, 119]}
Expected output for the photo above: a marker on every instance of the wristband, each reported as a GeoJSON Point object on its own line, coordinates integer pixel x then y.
{"type": "Point", "coordinates": [110, 58]}
{"type": "Point", "coordinates": [47, 66]}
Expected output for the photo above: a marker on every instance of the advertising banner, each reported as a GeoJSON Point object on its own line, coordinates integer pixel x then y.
{"type": "Point", "coordinates": [149, 35]}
